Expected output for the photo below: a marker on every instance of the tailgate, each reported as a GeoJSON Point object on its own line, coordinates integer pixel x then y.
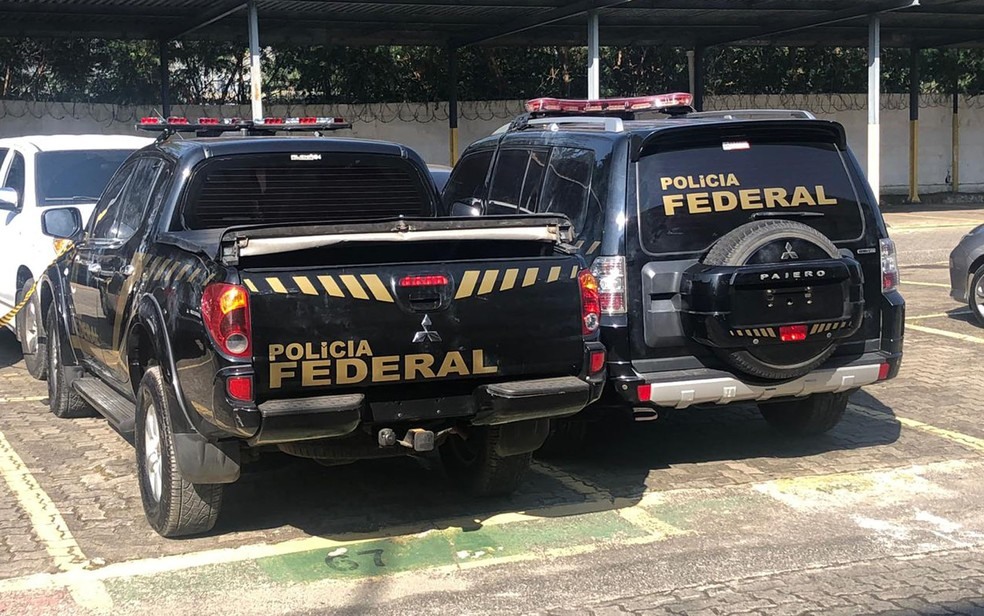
{"type": "Point", "coordinates": [335, 328]}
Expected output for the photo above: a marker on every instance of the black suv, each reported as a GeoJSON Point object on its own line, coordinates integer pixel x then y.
{"type": "Point", "coordinates": [741, 255]}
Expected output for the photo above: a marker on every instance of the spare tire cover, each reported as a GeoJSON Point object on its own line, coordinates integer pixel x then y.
{"type": "Point", "coordinates": [760, 243]}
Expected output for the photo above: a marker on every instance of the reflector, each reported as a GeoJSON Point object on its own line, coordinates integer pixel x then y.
{"type": "Point", "coordinates": [792, 333]}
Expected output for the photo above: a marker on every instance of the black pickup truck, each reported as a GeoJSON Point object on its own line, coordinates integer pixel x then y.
{"type": "Point", "coordinates": [301, 294]}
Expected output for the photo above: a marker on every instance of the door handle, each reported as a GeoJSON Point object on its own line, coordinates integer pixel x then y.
{"type": "Point", "coordinates": [94, 268]}
{"type": "Point", "coordinates": [128, 270]}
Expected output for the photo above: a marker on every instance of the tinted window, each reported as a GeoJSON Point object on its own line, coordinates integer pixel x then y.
{"type": "Point", "coordinates": [516, 181]}
{"type": "Point", "coordinates": [467, 181]}
{"type": "Point", "coordinates": [690, 196]}
{"type": "Point", "coordinates": [15, 176]}
{"type": "Point", "coordinates": [568, 184]}
{"type": "Point", "coordinates": [75, 176]}
{"type": "Point", "coordinates": [102, 223]}
{"type": "Point", "coordinates": [304, 189]}
{"type": "Point", "coordinates": [136, 198]}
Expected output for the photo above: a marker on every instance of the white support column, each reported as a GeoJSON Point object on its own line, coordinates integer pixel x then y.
{"type": "Point", "coordinates": [255, 73]}
{"type": "Point", "coordinates": [594, 59]}
{"type": "Point", "coordinates": [874, 105]}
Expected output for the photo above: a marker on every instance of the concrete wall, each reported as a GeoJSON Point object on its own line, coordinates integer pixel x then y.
{"type": "Point", "coordinates": [423, 126]}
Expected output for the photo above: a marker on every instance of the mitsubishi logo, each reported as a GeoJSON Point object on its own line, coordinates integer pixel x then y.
{"type": "Point", "coordinates": [789, 254]}
{"type": "Point", "coordinates": [427, 335]}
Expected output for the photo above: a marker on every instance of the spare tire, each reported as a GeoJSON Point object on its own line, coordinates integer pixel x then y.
{"type": "Point", "coordinates": [766, 276]}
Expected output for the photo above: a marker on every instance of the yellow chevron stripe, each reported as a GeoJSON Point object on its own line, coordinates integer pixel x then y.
{"type": "Point", "coordinates": [352, 284]}
{"type": "Point", "coordinates": [331, 286]}
{"type": "Point", "coordinates": [813, 329]}
{"type": "Point", "coordinates": [181, 273]}
{"type": "Point", "coordinates": [554, 274]}
{"type": "Point", "coordinates": [594, 247]}
{"type": "Point", "coordinates": [488, 282]}
{"type": "Point", "coordinates": [738, 332]}
{"type": "Point", "coordinates": [249, 285]}
{"type": "Point", "coordinates": [530, 278]}
{"type": "Point", "coordinates": [276, 285]}
{"type": "Point", "coordinates": [304, 284]}
{"type": "Point", "coordinates": [377, 288]}
{"type": "Point", "coordinates": [509, 279]}
{"type": "Point", "coordinates": [573, 272]}
{"type": "Point", "coordinates": [467, 286]}
{"type": "Point", "coordinates": [579, 244]}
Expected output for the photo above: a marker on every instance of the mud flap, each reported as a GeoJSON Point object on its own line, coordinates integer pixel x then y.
{"type": "Point", "coordinates": [201, 461]}
{"type": "Point", "coordinates": [522, 437]}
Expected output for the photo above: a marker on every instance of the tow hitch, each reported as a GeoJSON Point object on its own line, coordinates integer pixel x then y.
{"type": "Point", "coordinates": [416, 439]}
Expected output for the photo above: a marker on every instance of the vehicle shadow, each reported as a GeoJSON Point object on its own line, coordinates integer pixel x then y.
{"type": "Point", "coordinates": [10, 350]}
{"type": "Point", "coordinates": [686, 449]}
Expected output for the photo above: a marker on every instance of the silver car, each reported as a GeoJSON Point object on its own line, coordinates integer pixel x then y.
{"type": "Point", "coordinates": [967, 272]}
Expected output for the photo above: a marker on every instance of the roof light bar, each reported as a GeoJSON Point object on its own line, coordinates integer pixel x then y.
{"type": "Point", "coordinates": [636, 103]}
{"type": "Point", "coordinates": [215, 126]}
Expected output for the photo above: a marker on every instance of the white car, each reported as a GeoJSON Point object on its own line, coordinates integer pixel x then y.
{"type": "Point", "coordinates": [41, 172]}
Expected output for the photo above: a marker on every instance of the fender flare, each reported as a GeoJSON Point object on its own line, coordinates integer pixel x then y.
{"type": "Point", "coordinates": [200, 460]}
{"type": "Point", "coordinates": [55, 285]}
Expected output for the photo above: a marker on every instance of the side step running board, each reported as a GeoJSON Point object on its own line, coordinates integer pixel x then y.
{"type": "Point", "coordinates": [114, 407]}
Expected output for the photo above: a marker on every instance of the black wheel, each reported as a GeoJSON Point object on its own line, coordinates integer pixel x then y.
{"type": "Point", "coordinates": [173, 506]}
{"type": "Point", "coordinates": [976, 294]}
{"type": "Point", "coordinates": [62, 399]}
{"type": "Point", "coordinates": [567, 438]}
{"type": "Point", "coordinates": [30, 330]}
{"type": "Point", "coordinates": [780, 242]}
{"type": "Point", "coordinates": [809, 416]}
{"type": "Point", "coordinates": [474, 465]}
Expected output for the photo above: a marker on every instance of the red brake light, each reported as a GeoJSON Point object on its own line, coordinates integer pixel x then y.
{"type": "Point", "coordinates": [225, 311]}
{"type": "Point", "coordinates": [645, 392]}
{"type": "Point", "coordinates": [240, 388]}
{"type": "Point", "coordinates": [273, 121]}
{"type": "Point", "coordinates": [208, 121]}
{"type": "Point", "coordinates": [177, 120]}
{"type": "Point", "coordinates": [434, 280]}
{"type": "Point", "coordinates": [636, 103]}
{"type": "Point", "coordinates": [590, 303]}
{"type": "Point", "coordinates": [792, 333]}
{"type": "Point", "coordinates": [597, 363]}
{"type": "Point", "coordinates": [153, 120]}
{"type": "Point", "coordinates": [883, 372]}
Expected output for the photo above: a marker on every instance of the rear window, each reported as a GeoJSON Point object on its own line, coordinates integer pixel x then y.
{"type": "Point", "coordinates": [303, 189]}
{"type": "Point", "coordinates": [692, 194]}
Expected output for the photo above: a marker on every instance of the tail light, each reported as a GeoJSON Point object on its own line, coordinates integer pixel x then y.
{"type": "Point", "coordinates": [430, 280]}
{"type": "Point", "coordinates": [610, 272]}
{"type": "Point", "coordinates": [597, 362]}
{"type": "Point", "coordinates": [883, 371]}
{"type": "Point", "coordinates": [792, 333]}
{"type": "Point", "coordinates": [889, 265]}
{"type": "Point", "coordinates": [590, 305]}
{"type": "Point", "coordinates": [240, 388]}
{"type": "Point", "coordinates": [225, 311]}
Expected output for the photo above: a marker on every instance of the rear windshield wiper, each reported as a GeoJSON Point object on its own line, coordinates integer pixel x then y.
{"type": "Point", "coordinates": [759, 215]}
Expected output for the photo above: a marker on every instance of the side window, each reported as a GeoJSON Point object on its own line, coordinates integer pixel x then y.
{"type": "Point", "coordinates": [136, 198]}
{"type": "Point", "coordinates": [568, 184]}
{"type": "Point", "coordinates": [101, 225]}
{"type": "Point", "coordinates": [15, 176]}
{"type": "Point", "coordinates": [516, 181]}
{"type": "Point", "coordinates": [467, 181]}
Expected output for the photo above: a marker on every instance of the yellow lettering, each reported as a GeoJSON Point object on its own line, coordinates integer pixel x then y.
{"type": "Point", "coordinates": [665, 182]}
{"type": "Point", "coordinates": [775, 196]}
{"type": "Point", "coordinates": [295, 351]}
{"type": "Point", "coordinates": [801, 196]}
{"type": "Point", "coordinates": [385, 368]}
{"type": "Point", "coordinates": [280, 371]}
{"type": "Point", "coordinates": [275, 350]}
{"type": "Point", "coordinates": [724, 201]}
{"type": "Point", "coordinates": [363, 349]}
{"type": "Point", "coordinates": [732, 180]}
{"type": "Point", "coordinates": [713, 181]}
{"type": "Point", "coordinates": [453, 363]}
{"type": "Point", "coordinates": [348, 371]}
{"type": "Point", "coordinates": [751, 199]}
{"type": "Point", "coordinates": [309, 352]}
{"type": "Point", "coordinates": [314, 373]}
{"type": "Point", "coordinates": [671, 202]}
{"type": "Point", "coordinates": [337, 349]}
{"type": "Point", "coordinates": [420, 363]}
{"type": "Point", "coordinates": [698, 203]}
{"type": "Point", "coordinates": [478, 363]}
{"type": "Point", "coordinates": [822, 198]}
{"type": "Point", "coordinates": [691, 183]}
{"type": "Point", "coordinates": [680, 182]}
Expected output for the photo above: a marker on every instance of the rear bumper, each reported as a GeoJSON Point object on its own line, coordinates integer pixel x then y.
{"type": "Point", "coordinates": [684, 389]}
{"type": "Point", "coordinates": [326, 417]}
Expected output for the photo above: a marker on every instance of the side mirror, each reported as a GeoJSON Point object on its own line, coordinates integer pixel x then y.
{"type": "Point", "coordinates": [472, 207]}
{"type": "Point", "coordinates": [9, 199]}
{"type": "Point", "coordinates": [64, 223]}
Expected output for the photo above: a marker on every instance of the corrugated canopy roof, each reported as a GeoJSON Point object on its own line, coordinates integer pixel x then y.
{"type": "Point", "coordinates": [686, 23]}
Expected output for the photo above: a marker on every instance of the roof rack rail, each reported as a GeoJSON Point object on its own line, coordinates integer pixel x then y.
{"type": "Point", "coordinates": [753, 114]}
{"type": "Point", "coordinates": [605, 123]}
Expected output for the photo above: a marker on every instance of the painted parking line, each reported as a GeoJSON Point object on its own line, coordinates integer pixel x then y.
{"type": "Point", "coordinates": [925, 284]}
{"type": "Point", "coordinates": [955, 313]}
{"type": "Point", "coordinates": [23, 399]}
{"type": "Point", "coordinates": [971, 442]}
{"type": "Point", "coordinates": [943, 332]}
{"type": "Point", "coordinates": [49, 526]}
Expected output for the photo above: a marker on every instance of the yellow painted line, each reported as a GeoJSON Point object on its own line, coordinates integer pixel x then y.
{"type": "Point", "coordinates": [554, 274]}
{"type": "Point", "coordinates": [467, 286]}
{"type": "Point", "coordinates": [49, 526]}
{"type": "Point", "coordinates": [943, 332]}
{"type": "Point", "coordinates": [966, 440]}
{"type": "Point", "coordinates": [530, 278]}
{"type": "Point", "coordinates": [304, 284]}
{"type": "Point", "coordinates": [352, 284]}
{"type": "Point", "coordinates": [938, 314]}
{"type": "Point", "coordinates": [249, 285]}
{"type": "Point", "coordinates": [377, 288]}
{"type": "Point", "coordinates": [925, 284]}
{"type": "Point", "coordinates": [331, 286]}
{"type": "Point", "coordinates": [509, 279]}
{"type": "Point", "coordinates": [23, 399]}
{"type": "Point", "coordinates": [930, 226]}
{"type": "Point", "coordinates": [488, 282]}
{"type": "Point", "coordinates": [276, 285]}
